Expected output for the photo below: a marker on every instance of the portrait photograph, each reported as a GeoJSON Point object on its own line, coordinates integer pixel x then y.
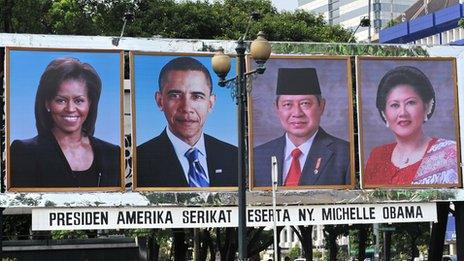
{"type": "Point", "coordinates": [301, 112]}
{"type": "Point", "coordinates": [408, 122]}
{"type": "Point", "coordinates": [64, 120]}
{"type": "Point", "coordinates": [184, 124]}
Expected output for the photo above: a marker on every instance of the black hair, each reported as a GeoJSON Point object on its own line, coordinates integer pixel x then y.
{"type": "Point", "coordinates": [58, 71]}
{"type": "Point", "coordinates": [183, 64]}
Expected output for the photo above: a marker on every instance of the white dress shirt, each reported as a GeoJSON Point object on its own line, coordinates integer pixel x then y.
{"type": "Point", "coordinates": [180, 147]}
{"type": "Point", "coordinates": [289, 147]}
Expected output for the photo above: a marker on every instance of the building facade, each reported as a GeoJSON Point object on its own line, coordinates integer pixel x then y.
{"type": "Point", "coordinates": [348, 13]}
{"type": "Point", "coordinates": [428, 22]}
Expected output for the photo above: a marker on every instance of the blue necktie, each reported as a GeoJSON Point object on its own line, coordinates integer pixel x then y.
{"type": "Point", "coordinates": [196, 173]}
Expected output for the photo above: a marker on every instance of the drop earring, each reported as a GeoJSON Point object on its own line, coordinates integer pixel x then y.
{"type": "Point", "coordinates": [426, 118]}
{"type": "Point", "coordinates": [48, 110]}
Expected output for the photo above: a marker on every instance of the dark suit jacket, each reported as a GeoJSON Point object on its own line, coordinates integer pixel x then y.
{"type": "Point", "coordinates": [158, 165]}
{"type": "Point", "coordinates": [39, 162]}
{"type": "Point", "coordinates": [334, 168]}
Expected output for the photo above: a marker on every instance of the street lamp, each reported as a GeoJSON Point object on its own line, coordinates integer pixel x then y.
{"type": "Point", "coordinates": [364, 22]}
{"type": "Point", "coordinates": [128, 16]}
{"type": "Point", "coordinates": [260, 50]}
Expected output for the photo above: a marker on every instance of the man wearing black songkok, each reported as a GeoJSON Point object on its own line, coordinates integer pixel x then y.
{"type": "Point", "coordinates": [306, 154]}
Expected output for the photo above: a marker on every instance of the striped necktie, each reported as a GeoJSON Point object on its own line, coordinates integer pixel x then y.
{"type": "Point", "coordinates": [196, 173]}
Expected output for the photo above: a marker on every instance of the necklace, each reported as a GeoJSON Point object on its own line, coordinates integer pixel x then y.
{"type": "Point", "coordinates": [406, 161]}
{"type": "Point", "coordinates": [411, 156]}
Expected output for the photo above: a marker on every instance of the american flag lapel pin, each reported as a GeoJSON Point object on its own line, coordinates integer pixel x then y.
{"type": "Point", "coordinates": [318, 165]}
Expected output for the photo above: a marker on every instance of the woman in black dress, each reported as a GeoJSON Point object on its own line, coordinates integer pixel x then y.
{"type": "Point", "coordinates": [65, 153]}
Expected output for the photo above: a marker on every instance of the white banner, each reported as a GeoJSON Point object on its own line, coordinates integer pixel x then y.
{"type": "Point", "coordinates": [198, 217]}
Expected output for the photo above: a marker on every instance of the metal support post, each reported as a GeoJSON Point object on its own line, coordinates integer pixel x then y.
{"type": "Point", "coordinates": [1, 232]}
{"type": "Point", "coordinates": [437, 237]}
{"type": "Point", "coordinates": [459, 218]}
{"type": "Point", "coordinates": [362, 238]}
{"type": "Point", "coordinates": [260, 50]}
{"type": "Point", "coordinates": [386, 254]}
{"type": "Point", "coordinates": [274, 206]}
{"type": "Point", "coordinates": [377, 242]}
{"type": "Point", "coordinates": [370, 23]}
{"type": "Point", "coordinates": [241, 103]}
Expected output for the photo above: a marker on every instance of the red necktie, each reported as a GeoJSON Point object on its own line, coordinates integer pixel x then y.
{"type": "Point", "coordinates": [294, 173]}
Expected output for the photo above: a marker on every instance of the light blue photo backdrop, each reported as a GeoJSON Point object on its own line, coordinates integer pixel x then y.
{"type": "Point", "coordinates": [26, 68]}
{"type": "Point", "coordinates": [150, 121]}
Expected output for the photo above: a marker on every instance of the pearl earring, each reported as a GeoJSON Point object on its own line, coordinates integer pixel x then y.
{"type": "Point", "coordinates": [48, 110]}
{"type": "Point", "coordinates": [426, 118]}
{"type": "Point", "coordinates": [386, 124]}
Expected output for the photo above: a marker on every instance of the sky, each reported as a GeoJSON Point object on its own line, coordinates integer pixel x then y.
{"type": "Point", "coordinates": [285, 5]}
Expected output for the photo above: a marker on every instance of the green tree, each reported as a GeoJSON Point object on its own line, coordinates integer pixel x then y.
{"type": "Point", "coordinates": [408, 238]}
{"type": "Point", "coordinates": [15, 19]}
{"type": "Point", "coordinates": [392, 22]}
{"type": "Point", "coordinates": [305, 235]}
{"type": "Point", "coordinates": [157, 242]}
{"type": "Point", "coordinates": [360, 236]}
{"type": "Point", "coordinates": [225, 19]}
{"type": "Point", "coordinates": [461, 23]}
{"type": "Point", "coordinates": [71, 17]}
{"type": "Point", "coordinates": [331, 233]}
{"type": "Point", "coordinates": [16, 227]}
{"type": "Point", "coordinates": [294, 253]}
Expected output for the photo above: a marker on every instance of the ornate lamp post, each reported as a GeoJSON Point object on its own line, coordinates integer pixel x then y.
{"type": "Point", "coordinates": [260, 50]}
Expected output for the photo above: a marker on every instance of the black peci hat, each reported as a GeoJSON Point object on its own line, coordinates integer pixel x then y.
{"type": "Point", "coordinates": [297, 81]}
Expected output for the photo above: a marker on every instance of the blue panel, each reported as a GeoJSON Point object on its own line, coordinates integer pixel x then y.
{"type": "Point", "coordinates": [446, 15]}
{"type": "Point", "coordinates": [394, 34]}
{"type": "Point", "coordinates": [424, 26]}
{"type": "Point", "coordinates": [450, 234]}
{"type": "Point", "coordinates": [421, 23]}
{"type": "Point", "coordinates": [458, 42]}
{"type": "Point", "coordinates": [448, 18]}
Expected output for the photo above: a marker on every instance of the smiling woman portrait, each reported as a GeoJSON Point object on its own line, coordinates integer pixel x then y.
{"type": "Point", "coordinates": [405, 102]}
{"type": "Point", "coordinates": [65, 153]}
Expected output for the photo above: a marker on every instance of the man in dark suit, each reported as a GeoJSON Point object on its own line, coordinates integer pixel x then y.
{"type": "Point", "coordinates": [182, 155]}
{"type": "Point", "coordinates": [306, 154]}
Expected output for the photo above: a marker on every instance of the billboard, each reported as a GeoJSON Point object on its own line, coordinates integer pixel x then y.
{"type": "Point", "coordinates": [184, 125]}
{"type": "Point", "coordinates": [151, 114]}
{"type": "Point", "coordinates": [64, 120]}
{"type": "Point", "coordinates": [303, 104]}
{"type": "Point", "coordinates": [409, 124]}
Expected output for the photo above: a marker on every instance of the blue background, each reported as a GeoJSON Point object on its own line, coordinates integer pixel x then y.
{"type": "Point", "coordinates": [26, 68]}
{"type": "Point", "coordinates": [221, 123]}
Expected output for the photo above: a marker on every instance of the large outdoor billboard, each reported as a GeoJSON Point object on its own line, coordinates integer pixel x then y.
{"type": "Point", "coordinates": [301, 112]}
{"type": "Point", "coordinates": [409, 124]}
{"type": "Point", "coordinates": [184, 124]}
{"type": "Point", "coordinates": [64, 119]}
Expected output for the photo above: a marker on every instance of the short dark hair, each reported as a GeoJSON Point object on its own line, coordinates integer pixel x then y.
{"type": "Point", "coordinates": [58, 71]}
{"type": "Point", "coordinates": [407, 75]}
{"type": "Point", "coordinates": [183, 64]}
